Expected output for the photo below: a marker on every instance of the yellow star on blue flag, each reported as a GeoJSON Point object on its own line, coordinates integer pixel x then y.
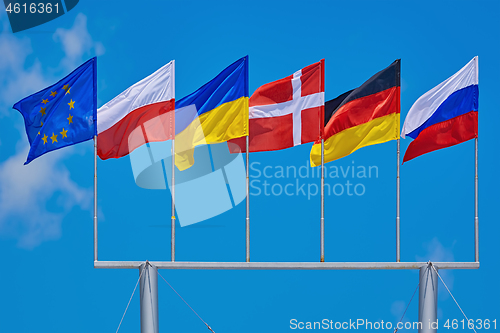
{"type": "Point", "coordinates": [65, 112]}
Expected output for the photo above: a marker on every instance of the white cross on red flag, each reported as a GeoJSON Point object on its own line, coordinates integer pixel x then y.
{"type": "Point", "coordinates": [287, 112]}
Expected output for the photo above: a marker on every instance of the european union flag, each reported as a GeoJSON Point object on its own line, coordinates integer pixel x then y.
{"type": "Point", "coordinates": [63, 114]}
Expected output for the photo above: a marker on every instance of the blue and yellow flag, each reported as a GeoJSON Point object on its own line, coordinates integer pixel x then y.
{"type": "Point", "coordinates": [221, 113]}
{"type": "Point", "coordinates": [63, 114]}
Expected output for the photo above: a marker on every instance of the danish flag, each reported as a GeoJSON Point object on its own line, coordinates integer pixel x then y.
{"type": "Point", "coordinates": [287, 112]}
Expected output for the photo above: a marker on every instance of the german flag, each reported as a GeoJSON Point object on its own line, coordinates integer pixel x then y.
{"type": "Point", "coordinates": [362, 117]}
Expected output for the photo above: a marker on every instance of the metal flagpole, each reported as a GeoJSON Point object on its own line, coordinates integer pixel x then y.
{"type": "Point", "coordinates": [95, 157]}
{"type": "Point", "coordinates": [322, 216]}
{"type": "Point", "coordinates": [398, 257]}
{"type": "Point", "coordinates": [95, 197]}
{"type": "Point", "coordinates": [322, 259]}
{"type": "Point", "coordinates": [398, 229]}
{"type": "Point", "coordinates": [476, 202]}
{"type": "Point", "coordinates": [172, 220]}
{"type": "Point", "coordinates": [248, 203]}
{"type": "Point", "coordinates": [247, 173]}
{"type": "Point", "coordinates": [172, 240]}
{"type": "Point", "coordinates": [476, 210]}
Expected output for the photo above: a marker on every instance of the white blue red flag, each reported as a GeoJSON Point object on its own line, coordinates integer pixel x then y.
{"type": "Point", "coordinates": [446, 115]}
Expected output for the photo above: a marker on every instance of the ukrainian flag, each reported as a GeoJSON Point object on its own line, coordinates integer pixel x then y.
{"type": "Point", "coordinates": [221, 113]}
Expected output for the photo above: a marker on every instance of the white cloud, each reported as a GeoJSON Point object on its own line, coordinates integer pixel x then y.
{"type": "Point", "coordinates": [16, 81]}
{"type": "Point", "coordinates": [25, 191]}
{"type": "Point", "coordinates": [397, 309]}
{"type": "Point", "coordinates": [437, 252]}
{"type": "Point", "coordinates": [77, 42]}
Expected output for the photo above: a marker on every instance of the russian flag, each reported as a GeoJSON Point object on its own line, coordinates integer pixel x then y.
{"type": "Point", "coordinates": [444, 116]}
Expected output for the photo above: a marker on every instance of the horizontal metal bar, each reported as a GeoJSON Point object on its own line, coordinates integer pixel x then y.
{"type": "Point", "coordinates": [286, 265]}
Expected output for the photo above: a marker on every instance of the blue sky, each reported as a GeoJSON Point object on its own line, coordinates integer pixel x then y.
{"type": "Point", "coordinates": [48, 283]}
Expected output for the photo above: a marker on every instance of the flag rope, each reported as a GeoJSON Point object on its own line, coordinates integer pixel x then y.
{"type": "Point", "coordinates": [407, 306]}
{"type": "Point", "coordinates": [453, 297]}
{"type": "Point", "coordinates": [185, 301]}
{"type": "Point", "coordinates": [140, 275]}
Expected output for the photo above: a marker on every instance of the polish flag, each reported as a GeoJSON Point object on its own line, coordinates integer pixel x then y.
{"type": "Point", "coordinates": [287, 112]}
{"type": "Point", "coordinates": [142, 113]}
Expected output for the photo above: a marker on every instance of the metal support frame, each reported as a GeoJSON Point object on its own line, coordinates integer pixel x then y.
{"type": "Point", "coordinates": [285, 265]}
{"type": "Point", "coordinates": [149, 277]}
{"type": "Point", "coordinates": [149, 298]}
{"type": "Point", "coordinates": [427, 299]}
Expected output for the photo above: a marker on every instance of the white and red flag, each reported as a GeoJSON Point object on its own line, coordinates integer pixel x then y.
{"type": "Point", "coordinates": [142, 113]}
{"type": "Point", "coordinates": [287, 112]}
